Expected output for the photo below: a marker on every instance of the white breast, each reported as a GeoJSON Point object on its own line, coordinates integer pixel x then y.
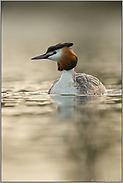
{"type": "Point", "coordinates": [65, 85]}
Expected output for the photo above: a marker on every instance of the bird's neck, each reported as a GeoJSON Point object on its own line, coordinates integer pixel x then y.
{"type": "Point", "coordinates": [68, 75]}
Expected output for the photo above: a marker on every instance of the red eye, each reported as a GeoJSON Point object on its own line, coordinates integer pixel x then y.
{"type": "Point", "coordinates": [54, 52]}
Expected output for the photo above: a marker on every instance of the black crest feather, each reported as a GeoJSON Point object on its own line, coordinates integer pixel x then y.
{"type": "Point", "coordinates": [58, 46]}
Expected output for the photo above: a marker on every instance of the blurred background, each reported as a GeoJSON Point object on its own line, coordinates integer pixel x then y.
{"type": "Point", "coordinates": [59, 138]}
{"type": "Point", "coordinates": [29, 28]}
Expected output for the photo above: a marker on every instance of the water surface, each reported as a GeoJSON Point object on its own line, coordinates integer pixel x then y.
{"type": "Point", "coordinates": [52, 137]}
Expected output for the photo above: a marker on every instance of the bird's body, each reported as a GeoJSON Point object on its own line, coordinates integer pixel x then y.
{"type": "Point", "coordinates": [70, 82]}
{"type": "Point", "coordinates": [78, 84]}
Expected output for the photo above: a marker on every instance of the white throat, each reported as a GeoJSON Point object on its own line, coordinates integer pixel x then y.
{"type": "Point", "coordinates": [66, 83]}
{"type": "Point", "coordinates": [67, 76]}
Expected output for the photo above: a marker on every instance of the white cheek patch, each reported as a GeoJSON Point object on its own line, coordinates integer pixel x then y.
{"type": "Point", "coordinates": [56, 56]}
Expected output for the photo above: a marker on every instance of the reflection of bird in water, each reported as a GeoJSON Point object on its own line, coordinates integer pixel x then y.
{"type": "Point", "coordinates": [71, 82]}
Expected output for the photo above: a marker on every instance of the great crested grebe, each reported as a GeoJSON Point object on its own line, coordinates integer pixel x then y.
{"type": "Point", "coordinates": [70, 82]}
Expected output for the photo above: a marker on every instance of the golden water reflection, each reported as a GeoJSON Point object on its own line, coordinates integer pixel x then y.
{"type": "Point", "coordinates": [67, 139]}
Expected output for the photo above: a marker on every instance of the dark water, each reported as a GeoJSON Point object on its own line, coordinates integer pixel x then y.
{"type": "Point", "coordinates": [52, 137]}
